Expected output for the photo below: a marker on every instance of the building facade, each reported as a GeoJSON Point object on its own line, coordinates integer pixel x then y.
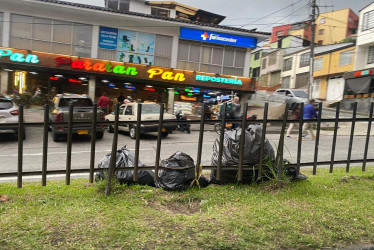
{"type": "Point", "coordinates": [81, 54]}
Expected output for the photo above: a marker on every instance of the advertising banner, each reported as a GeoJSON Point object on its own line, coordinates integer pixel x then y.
{"type": "Point", "coordinates": [108, 38]}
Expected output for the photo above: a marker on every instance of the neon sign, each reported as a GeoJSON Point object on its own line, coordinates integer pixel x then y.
{"type": "Point", "coordinates": [18, 57]}
{"type": "Point", "coordinates": [219, 79]}
{"type": "Point", "coordinates": [97, 67]}
{"type": "Point", "coordinates": [166, 75]}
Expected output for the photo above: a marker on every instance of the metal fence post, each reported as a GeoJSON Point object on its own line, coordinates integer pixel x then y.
{"type": "Point", "coordinates": [201, 139]}
{"type": "Point", "coordinates": [93, 142]}
{"type": "Point", "coordinates": [368, 137]}
{"type": "Point", "coordinates": [69, 142]}
{"type": "Point", "coordinates": [263, 138]}
{"type": "Point", "coordinates": [316, 147]}
{"type": "Point", "coordinates": [45, 145]}
{"type": "Point", "coordinates": [159, 138]}
{"type": "Point", "coordinates": [337, 114]}
{"type": "Point", "coordinates": [279, 157]}
{"type": "Point", "coordinates": [221, 136]}
{"type": "Point", "coordinates": [137, 144]}
{"type": "Point", "coordinates": [113, 156]}
{"type": "Point", "coordinates": [352, 136]}
{"type": "Point", "coordinates": [21, 131]}
{"type": "Point", "coordinates": [300, 136]}
{"type": "Point", "coordinates": [242, 143]}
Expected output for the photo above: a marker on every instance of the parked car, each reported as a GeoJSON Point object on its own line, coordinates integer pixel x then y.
{"type": "Point", "coordinates": [82, 112]}
{"type": "Point", "coordinates": [150, 112]}
{"type": "Point", "coordinates": [9, 114]}
{"type": "Point", "coordinates": [290, 96]}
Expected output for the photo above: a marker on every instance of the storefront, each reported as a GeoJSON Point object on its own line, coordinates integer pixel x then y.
{"type": "Point", "coordinates": [27, 71]}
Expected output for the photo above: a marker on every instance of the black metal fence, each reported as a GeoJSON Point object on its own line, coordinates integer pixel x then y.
{"type": "Point", "coordinates": [240, 167]}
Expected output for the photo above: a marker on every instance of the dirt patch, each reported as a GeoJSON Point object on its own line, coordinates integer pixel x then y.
{"type": "Point", "coordinates": [177, 207]}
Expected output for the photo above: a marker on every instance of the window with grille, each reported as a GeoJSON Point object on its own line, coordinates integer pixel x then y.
{"type": "Point", "coordinates": [305, 60]}
{"type": "Point", "coordinates": [273, 58]}
{"type": "Point", "coordinates": [48, 35]}
{"type": "Point", "coordinates": [287, 64]}
{"type": "Point", "coordinates": [371, 55]}
{"type": "Point", "coordinates": [318, 63]}
{"type": "Point", "coordinates": [257, 55]}
{"type": "Point", "coordinates": [118, 4]}
{"type": "Point", "coordinates": [213, 59]}
{"type": "Point", "coordinates": [346, 58]}
{"type": "Point", "coordinates": [368, 20]}
{"type": "Point", "coordinates": [286, 81]}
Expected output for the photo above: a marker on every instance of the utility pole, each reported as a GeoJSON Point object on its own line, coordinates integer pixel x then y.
{"type": "Point", "coordinates": [313, 29]}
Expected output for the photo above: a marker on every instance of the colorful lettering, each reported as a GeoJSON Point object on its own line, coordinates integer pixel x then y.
{"type": "Point", "coordinates": [77, 64]}
{"type": "Point", "coordinates": [5, 52]}
{"type": "Point", "coordinates": [18, 57]}
{"type": "Point", "coordinates": [203, 78]}
{"type": "Point", "coordinates": [63, 61]}
{"type": "Point", "coordinates": [167, 75]}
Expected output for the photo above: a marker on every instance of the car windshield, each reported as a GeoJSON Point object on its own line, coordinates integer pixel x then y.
{"type": "Point", "coordinates": [77, 102]}
{"type": "Point", "coordinates": [6, 104]}
{"type": "Point", "coordinates": [300, 93]}
{"type": "Point", "coordinates": [150, 109]}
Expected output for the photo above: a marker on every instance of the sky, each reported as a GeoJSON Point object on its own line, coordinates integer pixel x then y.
{"type": "Point", "coordinates": [262, 14]}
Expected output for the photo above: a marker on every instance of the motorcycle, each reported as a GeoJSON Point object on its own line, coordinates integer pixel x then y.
{"type": "Point", "coordinates": [229, 126]}
{"type": "Point", "coordinates": [182, 126]}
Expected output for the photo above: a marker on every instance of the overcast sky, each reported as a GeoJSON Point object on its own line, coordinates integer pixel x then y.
{"type": "Point", "coordinates": [262, 14]}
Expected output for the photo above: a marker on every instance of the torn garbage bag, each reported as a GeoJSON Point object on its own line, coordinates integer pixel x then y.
{"type": "Point", "coordinates": [251, 156]}
{"type": "Point", "coordinates": [125, 159]}
{"type": "Point", "coordinates": [177, 173]}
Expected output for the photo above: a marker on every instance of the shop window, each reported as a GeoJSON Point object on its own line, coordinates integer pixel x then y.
{"type": "Point", "coordinates": [49, 35]}
{"type": "Point", "coordinates": [318, 63]}
{"type": "Point", "coordinates": [287, 64]}
{"type": "Point", "coordinates": [371, 55]}
{"type": "Point", "coordinates": [305, 60]}
{"type": "Point", "coordinates": [213, 59]}
{"type": "Point", "coordinates": [286, 82]}
{"type": "Point", "coordinates": [368, 20]}
{"type": "Point", "coordinates": [346, 58]}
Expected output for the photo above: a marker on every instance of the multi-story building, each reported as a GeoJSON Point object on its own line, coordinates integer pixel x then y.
{"type": "Point", "coordinates": [330, 63]}
{"type": "Point", "coordinates": [128, 46]}
{"type": "Point", "coordinates": [335, 26]}
{"type": "Point", "coordinates": [359, 84]}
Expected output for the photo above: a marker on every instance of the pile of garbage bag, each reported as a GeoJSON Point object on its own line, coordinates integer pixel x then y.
{"type": "Point", "coordinates": [125, 159]}
{"type": "Point", "coordinates": [178, 173]}
{"type": "Point", "coordinates": [251, 156]}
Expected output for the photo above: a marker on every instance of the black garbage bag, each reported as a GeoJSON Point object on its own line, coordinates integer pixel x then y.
{"type": "Point", "coordinates": [125, 158]}
{"type": "Point", "coordinates": [251, 156]}
{"type": "Point", "coordinates": [179, 173]}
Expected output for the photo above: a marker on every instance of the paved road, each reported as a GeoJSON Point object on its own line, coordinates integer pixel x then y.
{"type": "Point", "coordinates": [174, 142]}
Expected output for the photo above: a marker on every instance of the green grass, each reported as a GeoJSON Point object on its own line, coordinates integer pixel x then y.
{"type": "Point", "coordinates": [323, 211]}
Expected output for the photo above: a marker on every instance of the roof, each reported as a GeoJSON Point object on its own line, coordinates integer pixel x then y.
{"type": "Point", "coordinates": [102, 9]}
{"type": "Point", "coordinates": [320, 50]}
{"type": "Point", "coordinates": [366, 6]}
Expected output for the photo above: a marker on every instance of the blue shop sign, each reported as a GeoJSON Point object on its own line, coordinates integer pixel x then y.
{"type": "Point", "coordinates": [218, 38]}
{"type": "Point", "coordinates": [108, 38]}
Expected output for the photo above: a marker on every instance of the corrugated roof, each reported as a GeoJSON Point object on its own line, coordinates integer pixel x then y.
{"type": "Point", "coordinates": [97, 8]}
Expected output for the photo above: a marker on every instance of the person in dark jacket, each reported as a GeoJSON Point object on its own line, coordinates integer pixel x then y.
{"type": "Point", "coordinates": [295, 116]}
{"type": "Point", "coordinates": [309, 113]}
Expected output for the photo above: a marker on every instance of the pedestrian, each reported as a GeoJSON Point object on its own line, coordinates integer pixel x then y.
{"type": "Point", "coordinates": [309, 113]}
{"type": "Point", "coordinates": [235, 111]}
{"type": "Point", "coordinates": [103, 103]}
{"type": "Point", "coordinates": [208, 112]}
{"type": "Point", "coordinates": [295, 116]}
{"type": "Point", "coordinates": [121, 98]}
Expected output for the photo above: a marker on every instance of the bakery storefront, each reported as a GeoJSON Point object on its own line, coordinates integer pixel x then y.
{"type": "Point", "coordinates": [42, 75]}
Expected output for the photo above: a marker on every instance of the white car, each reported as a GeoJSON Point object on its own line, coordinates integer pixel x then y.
{"type": "Point", "coordinates": [9, 113]}
{"type": "Point", "coordinates": [150, 112]}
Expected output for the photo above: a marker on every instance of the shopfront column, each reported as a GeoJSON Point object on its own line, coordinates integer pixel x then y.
{"type": "Point", "coordinates": [92, 87]}
{"type": "Point", "coordinates": [171, 101]}
{"type": "Point", "coordinates": [243, 100]}
{"type": "Point", "coordinates": [4, 80]}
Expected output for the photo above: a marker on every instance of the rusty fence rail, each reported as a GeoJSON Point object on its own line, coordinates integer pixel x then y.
{"type": "Point", "coordinates": [68, 171]}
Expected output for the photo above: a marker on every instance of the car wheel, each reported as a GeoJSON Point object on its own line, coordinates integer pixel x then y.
{"type": "Point", "coordinates": [165, 134]}
{"type": "Point", "coordinates": [99, 135]}
{"type": "Point", "coordinates": [132, 133]}
{"type": "Point", "coordinates": [110, 128]}
{"type": "Point", "coordinates": [56, 137]}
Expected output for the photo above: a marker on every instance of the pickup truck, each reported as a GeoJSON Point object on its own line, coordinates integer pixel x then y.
{"type": "Point", "coordinates": [290, 96]}
{"type": "Point", "coordinates": [150, 112]}
{"type": "Point", "coordinates": [82, 112]}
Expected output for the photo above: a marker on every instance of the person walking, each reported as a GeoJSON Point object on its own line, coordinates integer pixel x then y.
{"type": "Point", "coordinates": [103, 103]}
{"type": "Point", "coordinates": [121, 98]}
{"type": "Point", "coordinates": [309, 113]}
{"type": "Point", "coordinates": [295, 116]}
